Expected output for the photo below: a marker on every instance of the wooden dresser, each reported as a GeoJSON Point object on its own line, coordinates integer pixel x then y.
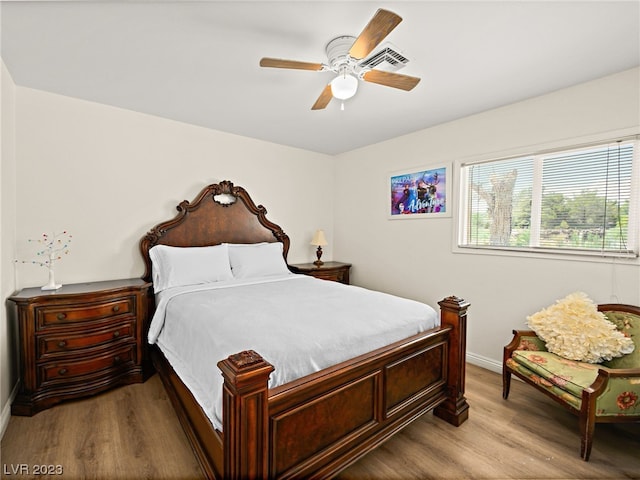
{"type": "Point", "coordinates": [79, 340]}
{"type": "Point", "coordinates": [335, 271]}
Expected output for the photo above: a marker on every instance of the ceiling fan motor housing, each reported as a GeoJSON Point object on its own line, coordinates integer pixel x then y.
{"type": "Point", "coordinates": [338, 54]}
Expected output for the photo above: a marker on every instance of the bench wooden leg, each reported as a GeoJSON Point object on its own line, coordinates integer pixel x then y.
{"type": "Point", "coordinates": [587, 416]}
{"type": "Point", "coordinates": [506, 381]}
{"type": "Point", "coordinates": [586, 440]}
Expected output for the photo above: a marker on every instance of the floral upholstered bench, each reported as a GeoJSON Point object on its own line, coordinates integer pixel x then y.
{"type": "Point", "coordinates": [603, 391]}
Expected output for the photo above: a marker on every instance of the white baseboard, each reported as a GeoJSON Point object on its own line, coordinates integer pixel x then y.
{"type": "Point", "coordinates": [484, 362]}
{"type": "Point", "coordinates": [5, 416]}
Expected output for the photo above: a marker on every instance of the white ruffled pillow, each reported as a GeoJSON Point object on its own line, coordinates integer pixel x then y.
{"type": "Point", "coordinates": [574, 328]}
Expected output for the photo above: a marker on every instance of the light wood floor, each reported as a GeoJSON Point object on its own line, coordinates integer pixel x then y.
{"type": "Point", "coordinates": [132, 432]}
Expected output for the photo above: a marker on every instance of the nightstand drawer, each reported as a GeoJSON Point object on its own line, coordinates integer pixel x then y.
{"type": "Point", "coordinates": [333, 275]}
{"type": "Point", "coordinates": [67, 315]}
{"type": "Point", "coordinates": [50, 345]}
{"type": "Point", "coordinates": [66, 370]}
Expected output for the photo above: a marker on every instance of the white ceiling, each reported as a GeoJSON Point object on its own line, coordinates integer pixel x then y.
{"type": "Point", "coordinates": [197, 62]}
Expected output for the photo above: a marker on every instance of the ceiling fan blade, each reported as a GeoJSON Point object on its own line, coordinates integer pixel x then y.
{"type": "Point", "coordinates": [324, 99]}
{"type": "Point", "coordinates": [382, 23]}
{"type": "Point", "coordinates": [280, 63]}
{"type": "Point", "coordinates": [388, 79]}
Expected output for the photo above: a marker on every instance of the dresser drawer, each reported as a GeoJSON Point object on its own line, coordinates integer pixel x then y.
{"type": "Point", "coordinates": [56, 344]}
{"type": "Point", "coordinates": [68, 370]}
{"type": "Point", "coordinates": [58, 315]}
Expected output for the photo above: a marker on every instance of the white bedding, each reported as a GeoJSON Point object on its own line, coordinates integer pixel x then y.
{"type": "Point", "coordinates": [298, 323]}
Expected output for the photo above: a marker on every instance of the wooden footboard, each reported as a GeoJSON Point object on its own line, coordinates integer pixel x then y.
{"type": "Point", "coordinates": [318, 425]}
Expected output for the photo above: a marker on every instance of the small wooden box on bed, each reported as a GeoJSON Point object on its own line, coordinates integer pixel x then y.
{"type": "Point", "coordinates": [315, 426]}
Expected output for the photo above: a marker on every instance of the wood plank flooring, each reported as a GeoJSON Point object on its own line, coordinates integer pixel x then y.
{"type": "Point", "coordinates": [127, 433]}
{"type": "Point", "coordinates": [132, 433]}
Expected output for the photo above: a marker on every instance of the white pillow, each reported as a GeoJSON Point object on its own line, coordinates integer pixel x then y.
{"type": "Point", "coordinates": [257, 259]}
{"type": "Point", "coordinates": [574, 328]}
{"type": "Point", "coordinates": [179, 266]}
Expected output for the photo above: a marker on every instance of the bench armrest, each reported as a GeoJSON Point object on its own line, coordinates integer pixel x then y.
{"type": "Point", "coordinates": [614, 393]}
{"type": "Point", "coordinates": [524, 340]}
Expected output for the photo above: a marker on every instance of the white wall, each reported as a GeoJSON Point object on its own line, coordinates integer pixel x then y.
{"type": "Point", "coordinates": [8, 368]}
{"type": "Point", "coordinates": [108, 175]}
{"type": "Point", "coordinates": [415, 258]}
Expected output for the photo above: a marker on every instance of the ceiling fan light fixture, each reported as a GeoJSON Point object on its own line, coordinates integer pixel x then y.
{"type": "Point", "coordinates": [344, 86]}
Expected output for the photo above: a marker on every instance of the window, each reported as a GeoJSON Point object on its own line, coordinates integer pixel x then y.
{"type": "Point", "coordinates": [583, 200]}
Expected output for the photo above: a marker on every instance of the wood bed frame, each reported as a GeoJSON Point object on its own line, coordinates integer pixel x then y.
{"type": "Point", "coordinates": [316, 426]}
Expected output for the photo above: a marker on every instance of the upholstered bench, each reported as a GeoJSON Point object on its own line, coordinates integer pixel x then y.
{"type": "Point", "coordinates": [597, 392]}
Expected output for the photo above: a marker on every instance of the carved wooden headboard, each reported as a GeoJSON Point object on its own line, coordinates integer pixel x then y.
{"type": "Point", "coordinates": [220, 213]}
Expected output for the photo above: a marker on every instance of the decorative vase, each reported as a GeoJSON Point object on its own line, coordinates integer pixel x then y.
{"type": "Point", "coordinates": [51, 285]}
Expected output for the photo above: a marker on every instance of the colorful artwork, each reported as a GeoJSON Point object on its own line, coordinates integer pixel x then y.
{"type": "Point", "coordinates": [423, 192]}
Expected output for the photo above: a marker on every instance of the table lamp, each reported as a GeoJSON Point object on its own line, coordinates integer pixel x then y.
{"type": "Point", "coordinates": [319, 240]}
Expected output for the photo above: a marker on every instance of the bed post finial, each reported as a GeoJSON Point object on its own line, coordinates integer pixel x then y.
{"type": "Point", "coordinates": [245, 395]}
{"type": "Point", "coordinates": [453, 313]}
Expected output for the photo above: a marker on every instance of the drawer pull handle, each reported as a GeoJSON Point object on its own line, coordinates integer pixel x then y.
{"type": "Point", "coordinates": [116, 334]}
{"type": "Point", "coordinates": [116, 359]}
{"type": "Point", "coordinates": [62, 343]}
{"type": "Point", "coordinates": [116, 308]}
{"type": "Point", "coordinates": [62, 371]}
{"type": "Point", "coordinates": [61, 316]}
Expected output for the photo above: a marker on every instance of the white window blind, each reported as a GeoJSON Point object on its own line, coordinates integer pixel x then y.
{"type": "Point", "coordinates": [582, 200]}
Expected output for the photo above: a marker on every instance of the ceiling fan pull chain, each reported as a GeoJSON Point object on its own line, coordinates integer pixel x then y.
{"type": "Point", "coordinates": [342, 105]}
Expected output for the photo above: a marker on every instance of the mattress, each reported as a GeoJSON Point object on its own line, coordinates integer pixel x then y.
{"type": "Point", "coordinates": [297, 323]}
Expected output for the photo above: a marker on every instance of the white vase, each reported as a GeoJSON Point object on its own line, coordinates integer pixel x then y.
{"type": "Point", "coordinates": [51, 285]}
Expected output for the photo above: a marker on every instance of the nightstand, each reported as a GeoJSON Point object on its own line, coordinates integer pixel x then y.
{"type": "Point", "coordinates": [79, 340]}
{"type": "Point", "coordinates": [334, 271]}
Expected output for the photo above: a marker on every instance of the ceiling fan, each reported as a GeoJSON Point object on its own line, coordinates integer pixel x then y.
{"type": "Point", "coordinates": [346, 55]}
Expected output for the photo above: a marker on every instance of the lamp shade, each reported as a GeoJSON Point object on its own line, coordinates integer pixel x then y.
{"type": "Point", "coordinates": [344, 86]}
{"type": "Point", "coordinates": [318, 238]}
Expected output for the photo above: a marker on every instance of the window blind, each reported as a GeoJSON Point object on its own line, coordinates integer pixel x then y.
{"type": "Point", "coordinates": [573, 200]}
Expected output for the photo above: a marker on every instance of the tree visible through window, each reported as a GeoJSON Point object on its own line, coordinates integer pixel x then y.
{"type": "Point", "coordinates": [574, 200]}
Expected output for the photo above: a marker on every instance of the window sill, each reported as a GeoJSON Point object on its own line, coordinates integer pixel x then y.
{"type": "Point", "coordinates": [551, 254]}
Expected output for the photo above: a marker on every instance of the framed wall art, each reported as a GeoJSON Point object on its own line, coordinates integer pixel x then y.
{"type": "Point", "coordinates": [420, 193]}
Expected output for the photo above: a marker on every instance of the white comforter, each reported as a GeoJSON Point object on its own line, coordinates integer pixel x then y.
{"type": "Point", "coordinates": [297, 323]}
